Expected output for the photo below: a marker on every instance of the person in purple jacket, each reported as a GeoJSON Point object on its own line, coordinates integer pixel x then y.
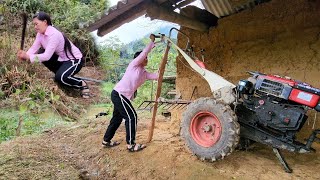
{"type": "Point", "coordinates": [53, 49]}
{"type": "Point", "coordinates": [122, 95]}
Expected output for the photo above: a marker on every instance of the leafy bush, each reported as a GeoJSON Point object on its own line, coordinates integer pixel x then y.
{"type": "Point", "coordinates": [111, 61]}
{"type": "Point", "coordinates": [29, 6]}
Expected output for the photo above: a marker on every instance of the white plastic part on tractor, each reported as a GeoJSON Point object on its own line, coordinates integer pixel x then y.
{"type": "Point", "coordinates": [220, 87]}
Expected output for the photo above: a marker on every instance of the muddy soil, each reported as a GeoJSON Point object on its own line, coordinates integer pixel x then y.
{"type": "Point", "coordinates": [75, 152]}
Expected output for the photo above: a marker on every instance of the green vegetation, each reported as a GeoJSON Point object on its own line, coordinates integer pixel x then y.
{"type": "Point", "coordinates": [32, 123]}
{"type": "Point", "coordinates": [115, 57]}
{"type": "Point", "coordinates": [25, 95]}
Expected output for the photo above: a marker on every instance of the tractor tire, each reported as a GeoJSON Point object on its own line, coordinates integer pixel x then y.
{"type": "Point", "coordinates": [210, 129]}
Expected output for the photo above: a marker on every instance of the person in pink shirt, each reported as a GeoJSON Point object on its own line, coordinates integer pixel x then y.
{"type": "Point", "coordinates": [122, 95]}
{"type": "Point", "coordinates": [53, 49]}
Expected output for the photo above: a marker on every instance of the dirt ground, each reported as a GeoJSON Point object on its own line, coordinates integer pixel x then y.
{"type": "Point", "coordinates": [75, 152]}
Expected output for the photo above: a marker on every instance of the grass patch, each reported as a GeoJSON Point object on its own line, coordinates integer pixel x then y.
{"type": "Point", "coordinates": [31, 123]}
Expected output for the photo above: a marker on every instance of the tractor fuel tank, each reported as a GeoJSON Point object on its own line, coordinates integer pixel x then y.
{"type": "Point", "coordinates": [303, 97]}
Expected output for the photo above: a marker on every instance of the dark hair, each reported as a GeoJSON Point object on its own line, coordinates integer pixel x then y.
{"type": "Point", "coordinates": [137, 54]}
{"type": "Point", "coordinates": [42, 16]}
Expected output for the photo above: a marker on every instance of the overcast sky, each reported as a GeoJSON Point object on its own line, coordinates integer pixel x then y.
{"type": "Point", "coordinates": [137, 28]}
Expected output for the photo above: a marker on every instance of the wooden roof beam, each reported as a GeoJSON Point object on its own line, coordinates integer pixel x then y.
{"type": "Point", "coordinates": [158, 12]}
{"type": "Point", "coordinates": [113, 12]}
{"type": "Point", "coordinates": [130, 15]}
{"type": "Point", "coordinates": [184, 3]}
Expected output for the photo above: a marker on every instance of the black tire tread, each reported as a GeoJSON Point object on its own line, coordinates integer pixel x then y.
{"type": "Point", "coordinates": [230, 120]}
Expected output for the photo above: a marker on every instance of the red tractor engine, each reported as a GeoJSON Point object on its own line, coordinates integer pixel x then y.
{"type": "Point", "coordinates": [288, 89]}
{"type": "Point", "coordinates": [272, 110]}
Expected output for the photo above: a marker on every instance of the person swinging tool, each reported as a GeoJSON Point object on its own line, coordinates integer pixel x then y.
{"type": "Point", "coordinates": [53, 49]}
{"type": "Point", "coordinates": [121, 95]}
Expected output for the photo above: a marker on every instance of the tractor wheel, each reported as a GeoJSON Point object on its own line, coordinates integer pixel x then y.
{"type": "Point", "coordinates": [210, 129]}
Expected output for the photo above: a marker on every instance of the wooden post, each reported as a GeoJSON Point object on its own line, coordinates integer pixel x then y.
{"type": "Point", "coordinates": [159, 86]}
{"type": "Point", "coordinates": [18, 130]}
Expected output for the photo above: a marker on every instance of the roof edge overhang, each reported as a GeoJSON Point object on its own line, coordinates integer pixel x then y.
{"type": "Point", "coordinates": [126, 11]}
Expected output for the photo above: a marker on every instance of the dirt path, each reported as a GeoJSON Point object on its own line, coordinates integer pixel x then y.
{"type": "Point", "coordinates": [75, 152]}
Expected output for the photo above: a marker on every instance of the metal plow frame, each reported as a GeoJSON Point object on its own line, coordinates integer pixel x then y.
{"type": "Point", "coordinates": [167, 104]}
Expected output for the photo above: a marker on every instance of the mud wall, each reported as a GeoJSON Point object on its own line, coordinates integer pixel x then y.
{"type": "Point", "coordinates": [279, 37]}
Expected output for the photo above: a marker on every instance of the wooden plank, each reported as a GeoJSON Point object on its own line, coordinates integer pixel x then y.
{"type": "Point", "coordinates": [160, 78]}
{"type": "Point", "coordinates": [184, 3]}
{"type": "Point", "coordinates": [113, 13]}
{"type": "Point", "coordinates": [133, 13]}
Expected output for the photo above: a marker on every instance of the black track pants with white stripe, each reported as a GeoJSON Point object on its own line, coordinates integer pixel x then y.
{"type": "Point", "coordinates": [123, 109]}
{"type": "Point", "coordinates": [64, 74]}
{"type": "Point", "coordinates": [64, 71]}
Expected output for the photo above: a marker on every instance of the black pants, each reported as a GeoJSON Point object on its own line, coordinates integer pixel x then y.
{"type": "Point", "coordinates": [123, 109]}
{"type": "Point", "coordinates": [64, 71]}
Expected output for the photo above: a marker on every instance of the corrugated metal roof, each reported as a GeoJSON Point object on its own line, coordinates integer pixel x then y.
{"type": "Point", "coordinates": [221, 8]}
